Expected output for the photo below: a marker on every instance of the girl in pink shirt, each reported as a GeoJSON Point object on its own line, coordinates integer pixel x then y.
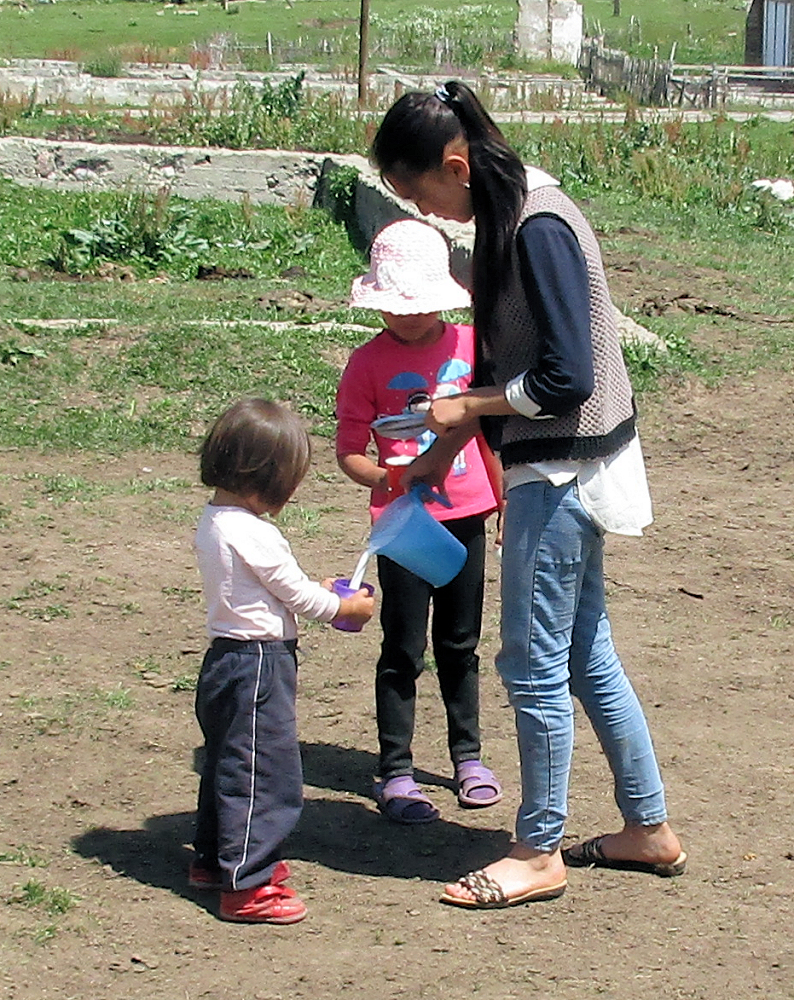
{"type": "Point", "coordinates": [416, 358]}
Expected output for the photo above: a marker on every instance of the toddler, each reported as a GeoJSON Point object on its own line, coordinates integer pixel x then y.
{"type": "Point", "coordinates": [250, 795]}
{"type": "Point", "coordinates": [415, 359]}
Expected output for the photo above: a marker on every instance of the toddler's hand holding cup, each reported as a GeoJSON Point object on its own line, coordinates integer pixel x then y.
{"type": "Point", "coordinates": [356, 607]}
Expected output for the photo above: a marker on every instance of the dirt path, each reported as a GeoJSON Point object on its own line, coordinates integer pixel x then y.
{"type": "Point", "coordinates": [102, 622]}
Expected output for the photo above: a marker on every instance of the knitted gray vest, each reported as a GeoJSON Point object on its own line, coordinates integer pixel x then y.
{"type": "Point", "coordinates": [605, 421]}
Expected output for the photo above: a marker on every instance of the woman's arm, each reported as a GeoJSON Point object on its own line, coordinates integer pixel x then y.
{"type": "Point", "coordinates": [462, 413]}
{"type": "Point", "coordinates": [555, 278]}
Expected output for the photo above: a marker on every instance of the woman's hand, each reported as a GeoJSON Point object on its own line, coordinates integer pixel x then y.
{"type": "Point", "coordinates": [431, 467]}
{"type": "Point", "coordinates": [447, 413]}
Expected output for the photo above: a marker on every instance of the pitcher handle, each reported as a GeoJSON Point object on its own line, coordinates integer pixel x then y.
{"type": "Point", "coordinates": [425, 494]}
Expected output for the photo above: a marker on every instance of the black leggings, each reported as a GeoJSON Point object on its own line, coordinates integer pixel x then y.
{"type": "Point", "coordinates": [457, 618]}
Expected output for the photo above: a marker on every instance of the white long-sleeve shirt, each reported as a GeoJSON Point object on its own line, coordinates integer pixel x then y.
{"type": "Point", "coordinates": [253, 585]}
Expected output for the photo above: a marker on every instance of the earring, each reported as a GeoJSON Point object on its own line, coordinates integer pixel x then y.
{"type": "Point", "coordinates": [467, 185]}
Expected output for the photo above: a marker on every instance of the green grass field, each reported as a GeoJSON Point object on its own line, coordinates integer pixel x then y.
{"type": "Point", "coordinates": [157, 363]}
{"type": "Point", "coordinates": [87, 30]}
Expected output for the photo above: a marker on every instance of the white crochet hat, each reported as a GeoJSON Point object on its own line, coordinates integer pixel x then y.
{"type": "Point", "coordinates": [409, 273]}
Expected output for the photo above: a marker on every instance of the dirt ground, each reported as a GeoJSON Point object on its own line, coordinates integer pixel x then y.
{"type": "Point", "coordinates": [103, 631]}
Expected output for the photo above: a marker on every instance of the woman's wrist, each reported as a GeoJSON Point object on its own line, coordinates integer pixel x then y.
{"type": "Point", "coordinates": [488, 401]}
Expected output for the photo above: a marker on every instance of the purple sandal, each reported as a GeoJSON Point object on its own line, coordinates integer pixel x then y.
{"type": "Point", "coordinates": [401, 800]}
{"type": "Point", "coordinates": [477, 785]}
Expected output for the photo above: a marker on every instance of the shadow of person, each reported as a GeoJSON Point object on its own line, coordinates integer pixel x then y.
{"type": "Point", "coordinates": [353, 837]}
{"type": "Point", "coordinates": [155, 855]}
{"type": "Point", "coordinates": [345, 836]}
{"type": "Point", "coordinates": [341, 834]}
{"type": "Point", "coordinates": [348, 769]}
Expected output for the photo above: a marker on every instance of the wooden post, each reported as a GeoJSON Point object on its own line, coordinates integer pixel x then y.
{"type": "Point", "coordinates": [363, 45]}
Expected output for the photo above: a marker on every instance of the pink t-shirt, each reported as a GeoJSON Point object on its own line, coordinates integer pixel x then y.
{"type": "Point", "coordinates": [385, 377]}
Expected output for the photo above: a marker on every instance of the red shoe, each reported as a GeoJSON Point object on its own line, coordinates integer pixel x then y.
{"type": "Point", "coordinates": [201, 877]}
{"type": "Point", "coordinates": [273, 903]}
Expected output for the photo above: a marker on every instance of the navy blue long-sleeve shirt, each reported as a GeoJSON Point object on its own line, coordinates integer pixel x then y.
{"type": "Point", "coordinates": [554, 273]}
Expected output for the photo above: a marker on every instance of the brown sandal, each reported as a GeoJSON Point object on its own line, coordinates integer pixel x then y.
{"type": "Point", "coordinates": [489, 895]}
{"type": "Point", "coordinates": [590, 854]}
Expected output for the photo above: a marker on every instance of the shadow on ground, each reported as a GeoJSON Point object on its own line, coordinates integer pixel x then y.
{"type": "Point", "coordinates": [347, 835]}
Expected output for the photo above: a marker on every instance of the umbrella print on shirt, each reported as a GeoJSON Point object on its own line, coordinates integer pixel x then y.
{"type": "Point", "coordinates": [452, 378]}
{"type": "Point", "coordinates": [449, 375]}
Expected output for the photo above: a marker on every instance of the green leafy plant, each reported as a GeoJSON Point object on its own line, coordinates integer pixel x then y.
{"type": "Point", "coordinates": [145, 229]}
{"type": "Point", "coordinates": [23, 855]}
{"type": "Point", "coordinates": [12, 353]}
{"type": "Point", "coordinates": [109, 64]}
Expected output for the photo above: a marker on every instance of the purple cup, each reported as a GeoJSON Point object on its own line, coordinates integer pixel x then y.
{"type": "Point", "coordinates": [342, 588]}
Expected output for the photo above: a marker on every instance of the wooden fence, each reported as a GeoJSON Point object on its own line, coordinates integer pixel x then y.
{"type": "Point", "coordinates": [613, 72]}
{"type": "Point", "coordinates": [663, 82]}
{"type": "Point", "coordinates": [716, 86]}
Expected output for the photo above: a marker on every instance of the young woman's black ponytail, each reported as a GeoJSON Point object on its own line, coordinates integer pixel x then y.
{"type": "Point", "coordinates": [498, 191]}
{"type": "Point", "coordinates": [411, 140]}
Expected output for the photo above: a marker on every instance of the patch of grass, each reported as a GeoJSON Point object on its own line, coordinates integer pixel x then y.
{"type": "Point", "coordinates": [44, 934]}
{"type": "Point", "coordinates": [683, 165]}
{"type": "Point", "coordinates": [74, 711]}
{"type": "Point", "coordinates": [305, 520]}
{"type": "Point", "coordinates": [446, 33]}
{"type": "Point", "coordinates": [171, 235]}
{"type": "Point", "coordinates": [704, 32]}
{"type": "Point", "coordinates": [154, 379]}
{"type": "Point", "coordinates": [183, 595]}
{"type": "Point", "coordinates": [23, 855]}
{"type": "Point", "coordinates": [117, 698]}
{"type": "Point", "coordinates": [54, 901]}
{"type": "Point", "coordinates": [62, 488]}
{"type": "Point", "coordinates": [185, 682]}
{"type": "Point", "coordinates": [148, 665]}
{"type": "Point", "coordinates": [648, 364]}
{"type": "Point", "coordinates": [28, 600]}
{"type": "Point", "coordinates": [157, 485]}
{"type": "Point", "coordinates": [106, 64]}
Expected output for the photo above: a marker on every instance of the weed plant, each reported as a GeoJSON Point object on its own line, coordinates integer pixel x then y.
{"type": "Point", "coordinates": [691, 164]}
{"type": "Point", "coordinates": [264, 117]}
{"type": "Point", "coordinates": [75, 232]}
{"type": "Point", "coordinates": [108, 64]}
{"type": "Point", "coordinates": [23, 855]}
{"type": "Point", "coordinates": [54, 901]}
{"type": "Point", "coordinates": [143, 229]}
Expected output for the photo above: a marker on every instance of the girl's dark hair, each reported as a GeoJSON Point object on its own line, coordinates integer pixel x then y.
{"type": "Point", "coordinates": [256, 447]}
{"type": "Point", "coordinates": [411, 140]}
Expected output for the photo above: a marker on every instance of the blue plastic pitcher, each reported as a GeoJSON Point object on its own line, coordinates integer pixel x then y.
{"type": "Point", "coordinates": [407, 534]}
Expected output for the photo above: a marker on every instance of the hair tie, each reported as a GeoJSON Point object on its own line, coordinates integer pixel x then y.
{"type": "Point", "coordinates": [444, 95]}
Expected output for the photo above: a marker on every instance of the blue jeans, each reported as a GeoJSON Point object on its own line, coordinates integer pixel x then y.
{"type": "Point", "coordinates": [556, 641]}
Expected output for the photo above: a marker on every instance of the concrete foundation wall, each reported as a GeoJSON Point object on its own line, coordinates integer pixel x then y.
{"type": "Point", "coordinates": [264, 176]}
{"type": "Point", "coordinates": [550, 29]}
